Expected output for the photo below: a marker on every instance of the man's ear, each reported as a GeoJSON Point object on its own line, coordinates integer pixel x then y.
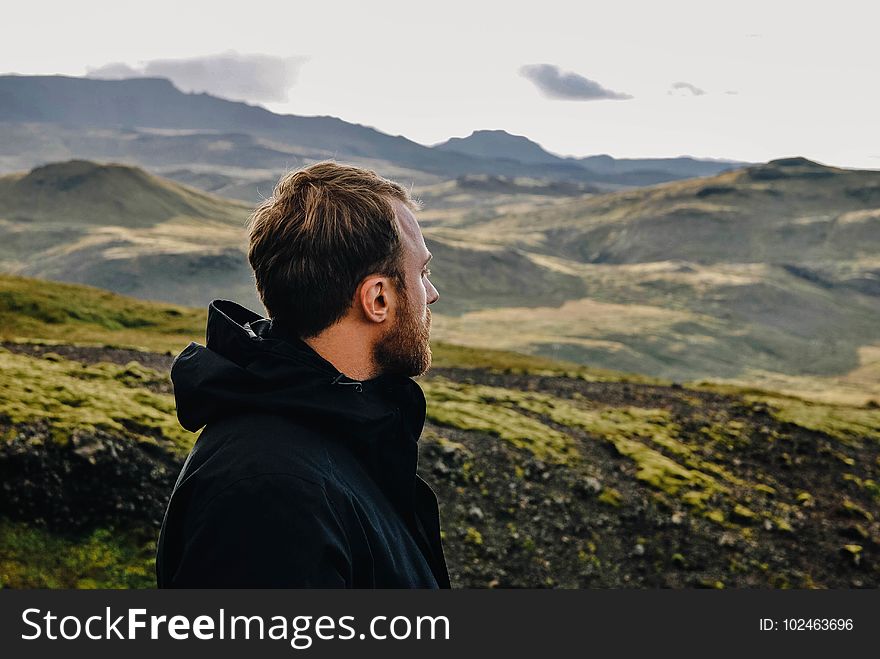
{"type": "Point", "coordinates": [374, 298]}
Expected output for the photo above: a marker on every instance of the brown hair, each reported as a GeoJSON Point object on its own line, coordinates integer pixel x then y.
{"type": "Point", "coordinates": [325, 228]}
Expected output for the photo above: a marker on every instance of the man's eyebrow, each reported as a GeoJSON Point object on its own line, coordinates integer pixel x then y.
{"type": "Point", "coordinates": [430, 256]}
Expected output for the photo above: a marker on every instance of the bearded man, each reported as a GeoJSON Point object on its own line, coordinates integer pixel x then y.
{"type": "Point", "coordinates": [305, 472]}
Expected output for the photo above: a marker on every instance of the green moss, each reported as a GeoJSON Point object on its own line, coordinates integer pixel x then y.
{"type": "Point", "coordinates": [648, 437]}
{"type": "Point", "coordinates": [710, 583]}
{"type": "Point", "coordinates": [847, 423]}
{"type": "Point", "coordinates": [780, 581]}
{"type": "Point", "coordinates": [805, 499]}
{"type": "Point", "coordinates": [856, 510]}
{"type": "Point", "coordinates": [473, 537]}
{"type": "Point", "coordinates": [632, 431]}
{"type": "Point", "coordinates": [488, 409]}
{"type": "Point", "coordinates": [429, 435]}
{"type": "Point", "coordinates": [730, 436]}
{"type": "Point", "coordinates": [868, 485]}
{"type": "Point", "coordinates": [32, 557]}
{"type": "Point", "coordinates": [861, 531]}
{"type": "Point", "coordinates": [715, 515]}
{"type": "Point", "coordinates": [610, 496]}
{"type": "Point", "coordinates": [36, 309]}
{"type": "Point", "coordinates": [75, 397]}
{"type": "Point", "coordinates": [743, 513]}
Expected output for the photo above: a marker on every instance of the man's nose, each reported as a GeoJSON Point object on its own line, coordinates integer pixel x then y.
{"type": "Point", "coordinates": [433, 295]}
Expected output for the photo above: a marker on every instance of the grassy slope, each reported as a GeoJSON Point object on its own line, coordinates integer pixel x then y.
{"type": "Point", "coordinates": [789, 210]}
{"type": "Point", "coordinates": [121, 228]}
{"type": "Point", "coordinates": [83, 192]}
{"type": "Point", "coordinates": [498, 424]}
{"type": "Point", "coordinates": [38, 310]}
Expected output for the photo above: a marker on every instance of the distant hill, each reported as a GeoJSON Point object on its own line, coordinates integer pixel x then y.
{"type": "Point", "coordinates": [765, 274]}
{"type": "Point", "coordinates": [119, 228]}
{"type": "Point", "coordinates": [125, 230]}
{"type": "Point", "coordinates": [499, 144]}
{"type": "Point", "coordinates": [82, 192]}
{"type": "Point", "coordinates": [156, 103]}
{"type": "Point", "coordinates": [643, 171]}
{"type": "Point", "coordinates": [149, 122]}
{"type": "Point", "coordinates": [769, 273]}
{"type": "Point", "coordinates": [633, 169]}
{"type": "Point", "coordinates": [788, 210]}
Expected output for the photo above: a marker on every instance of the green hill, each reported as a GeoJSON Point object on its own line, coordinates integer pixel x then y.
{"type": "Point", "coordinates": [33, 309]}
{"type": "Point", "coordinates": [789, 210]}
{"type": "Point", "coordinates": [82, 192]}
{"type": "Point", "coordinates": [120, 228]}
{"type": "Point", "coordinates": [549, 474]}
{"type": "Point", "coordinates": [765, 275]}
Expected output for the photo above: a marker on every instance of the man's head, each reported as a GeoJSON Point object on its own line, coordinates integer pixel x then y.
{"type": "Point", "coordinates": [338, 254]}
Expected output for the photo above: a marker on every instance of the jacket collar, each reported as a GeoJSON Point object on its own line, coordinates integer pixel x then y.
{"type": "Point", "coordinates": [249, 364]}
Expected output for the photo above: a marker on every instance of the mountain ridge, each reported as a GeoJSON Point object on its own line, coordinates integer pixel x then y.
{"type": "Point", "coordinates": [129, 104]}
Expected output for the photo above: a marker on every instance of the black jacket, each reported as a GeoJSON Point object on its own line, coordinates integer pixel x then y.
{"type": "Point", "coordinates": [302, 477]}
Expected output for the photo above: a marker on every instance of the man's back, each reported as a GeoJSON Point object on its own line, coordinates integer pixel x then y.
{"type": "Point", "coordinates": [300, 478]}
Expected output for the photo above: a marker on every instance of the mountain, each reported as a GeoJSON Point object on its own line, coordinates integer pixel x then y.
{"type": "Point", "coordinates": [670, 168]}
{"type": "Point", "coordinates": [79, 192]}
{"type": "Point", "coordinates": [499, 144]}
{"type": "Point", "coordinates": [155, 103]}
{"type": "Point", "coordinates": [548, 474]}
{"type": "Point", "coordinates": [149, 122]}
{"type": "Point", "coordinates": [644, 171]}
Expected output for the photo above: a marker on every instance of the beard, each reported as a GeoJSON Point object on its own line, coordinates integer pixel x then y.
{"type": "Point", "coordinates": [405, 349]}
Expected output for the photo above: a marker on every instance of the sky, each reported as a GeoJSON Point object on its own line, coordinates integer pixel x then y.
{"type": "Point", "coordinates": [747, 81]}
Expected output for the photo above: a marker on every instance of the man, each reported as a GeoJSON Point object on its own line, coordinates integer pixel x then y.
{"type": "Point", "coordinates": [305, 472]}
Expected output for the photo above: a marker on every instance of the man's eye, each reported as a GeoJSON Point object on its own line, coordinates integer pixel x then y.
{"type": "Point", "coordinates": [426, 272]}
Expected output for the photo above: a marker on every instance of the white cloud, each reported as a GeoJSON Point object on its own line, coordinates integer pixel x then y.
{"type": "Point", "coordinates": [259, 78]}
{"type": "Point", "coordinates": [685, 89]}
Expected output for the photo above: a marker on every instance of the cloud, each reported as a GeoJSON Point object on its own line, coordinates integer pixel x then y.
{"type": "Point", "coordinates": [731, 92]}
{"type": "Point", "coordinates": [557, 84]}
{"type": "Point", "coordinates": [258, 78]}
{"type": "Point", "coordinates": [114, 71]}
{"type": "Point", "coordinates": [685, 88]}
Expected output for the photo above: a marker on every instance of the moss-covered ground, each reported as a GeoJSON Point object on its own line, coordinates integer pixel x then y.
{"type": "Point", "coordinates": [548, 474]}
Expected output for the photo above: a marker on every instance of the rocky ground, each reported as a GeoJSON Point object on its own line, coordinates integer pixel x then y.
{"type": "Point", "coordinates": [760, 501]}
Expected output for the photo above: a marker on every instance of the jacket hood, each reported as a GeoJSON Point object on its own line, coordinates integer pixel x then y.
{"type": "Point", "coordinates": [249, 365]}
